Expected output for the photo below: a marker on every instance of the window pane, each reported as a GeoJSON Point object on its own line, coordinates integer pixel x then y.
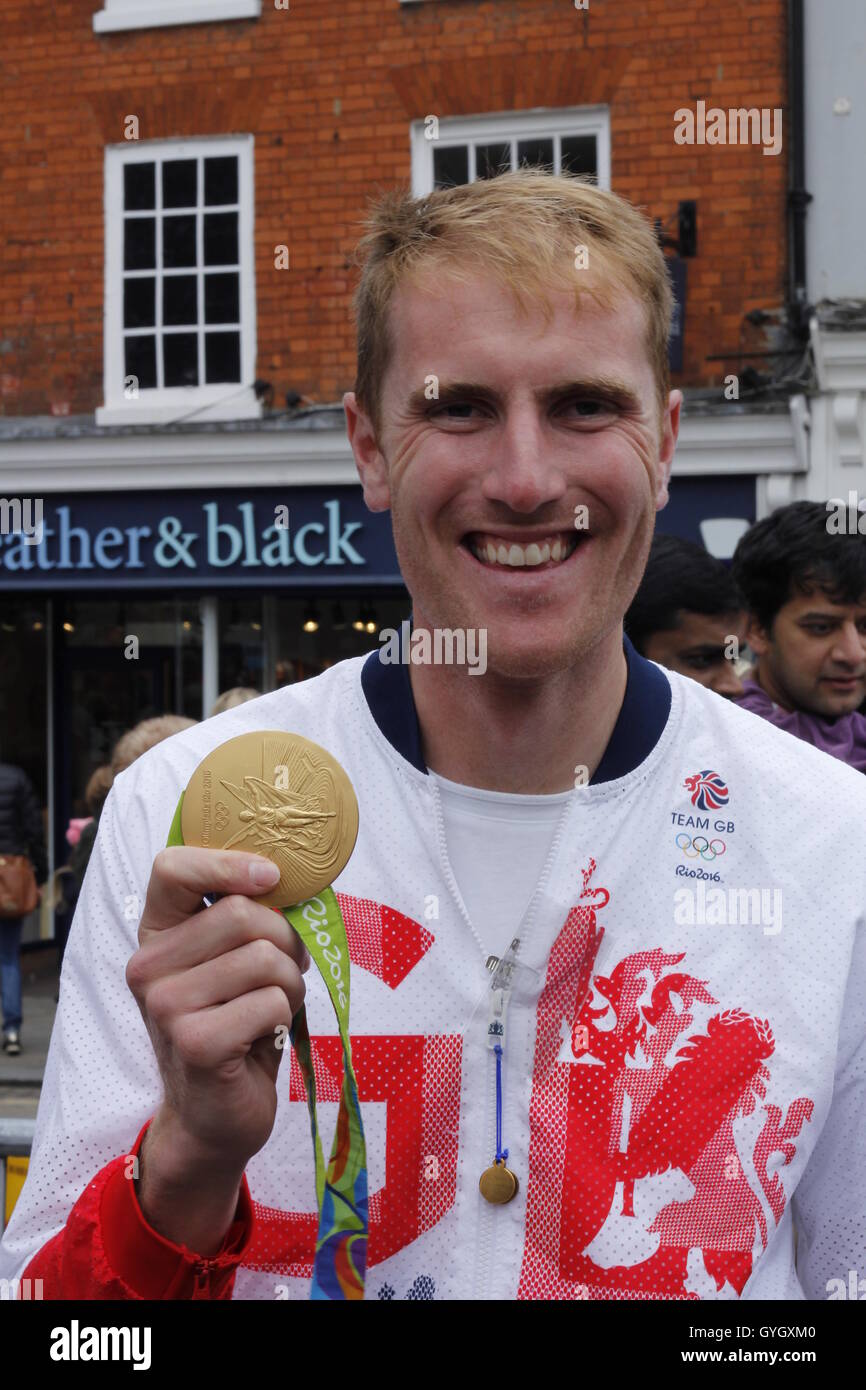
{"type": "Point", "coordinates": [535, 152]}
{"type": "Point", "coordinates": [140, 360]}
{"type": "Point", "coordinates": [139, 187]}
{"type": "Point", "coordinates": [222, 299]}
{"type": "Point", "coordinates": [221, 238]}
{"type": "Point", "coordinates": [179, 299]}
{"type": "Point", "coordinates": [579, 155]}
{"type": "Point", "coordinates": [491, 160]}
{"type": "Point", "coordinates": [221, 180]}
{"type": "Point", "coordinates": [179, 183]}
{"type": "Point", "coordinates": [178, 240]}
{"type": "Point", "coordinates": [139, 243]}
{"type": "Point", "coordinates": [450, 166]}
{"type": "Point", "coordinates": [180, 359]}
{"type": "Point", "coordinates": [139, 303]}
{"type": "Point", "coordinates": [222, 356]}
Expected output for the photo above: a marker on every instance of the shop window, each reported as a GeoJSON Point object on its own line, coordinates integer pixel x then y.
{"type": "Point", "coordinates": [180, 306]}
{"type": "Point", "coordinates": [460, 150]}
{"type": "Point", "coordinates": [152, 14]}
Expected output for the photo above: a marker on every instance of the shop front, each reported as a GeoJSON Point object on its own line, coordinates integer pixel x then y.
{"type": "Point", "coordinates": [121, 606]}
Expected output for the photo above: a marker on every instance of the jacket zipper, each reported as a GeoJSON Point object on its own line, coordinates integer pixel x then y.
{"type": "Point", "coordinates": [201, 1287]}
{"type": "Point", "coordinates": [500, 995]}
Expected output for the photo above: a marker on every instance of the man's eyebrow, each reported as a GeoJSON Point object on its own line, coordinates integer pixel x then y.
{"type": "Point", "coordinates": [453, 392]}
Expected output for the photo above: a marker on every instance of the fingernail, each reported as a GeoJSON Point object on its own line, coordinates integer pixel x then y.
{"type": "Point", "coordinates": [263, 873]}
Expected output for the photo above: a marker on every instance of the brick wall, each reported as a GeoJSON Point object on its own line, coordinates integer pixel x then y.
{"type": "Point", "coordinates": [328, 89]}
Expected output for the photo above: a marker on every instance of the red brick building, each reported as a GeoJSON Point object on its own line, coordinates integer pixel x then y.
{"type": "Point", "coordinates": [324, 98]}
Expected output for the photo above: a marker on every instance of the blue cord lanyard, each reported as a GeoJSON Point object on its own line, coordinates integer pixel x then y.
{"type": "Point", "coordinates": [501, 1154]}
{"type": "Point", "coordinates": [500, 992]}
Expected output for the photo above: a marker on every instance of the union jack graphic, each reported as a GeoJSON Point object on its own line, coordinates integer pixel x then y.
{"type": "Point", "coordinates": [708, 790]}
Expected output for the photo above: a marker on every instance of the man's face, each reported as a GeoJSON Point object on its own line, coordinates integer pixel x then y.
{"type": "Point", "coordinates": [696, 647]}
{"type": "Point", "coordinates": [814, 658]}
{"type": "Point", "coordinates": [533, 421]}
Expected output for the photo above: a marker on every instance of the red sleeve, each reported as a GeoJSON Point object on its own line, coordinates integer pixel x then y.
{"type": "Point", "coordinates": [107, 1250]}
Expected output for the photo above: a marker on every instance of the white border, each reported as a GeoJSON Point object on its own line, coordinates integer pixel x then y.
{"type": "Point", "coordinates": [227, 400]}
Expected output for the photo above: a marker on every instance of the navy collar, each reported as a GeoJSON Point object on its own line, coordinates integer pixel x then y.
{"type": "Point", "coordinates": [639, 727]}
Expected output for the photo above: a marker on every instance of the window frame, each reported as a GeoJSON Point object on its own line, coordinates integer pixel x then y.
{"type": "Point", "coordinates": [220, 400]}
{"type": "Point", "coordinates": [145, 14]}
{"type": "Point", "coordinates": [492, 127]}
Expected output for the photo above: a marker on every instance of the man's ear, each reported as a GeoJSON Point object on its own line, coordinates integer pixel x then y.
{"type": "Point", "coordinates": [369, 461]}
{"type": "Point", "coordinates": [670, 428]}
{"type": "Point", "coordinates": [757, 637]}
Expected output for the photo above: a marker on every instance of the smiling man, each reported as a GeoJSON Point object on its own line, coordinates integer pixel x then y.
{"type": "Point", "coordinates": [583, 1074]}
{"type": "Point", "coordinates": [806, 590]}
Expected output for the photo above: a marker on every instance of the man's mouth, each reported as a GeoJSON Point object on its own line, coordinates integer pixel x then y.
{"type": "Point", "coordinates": [535, 552]}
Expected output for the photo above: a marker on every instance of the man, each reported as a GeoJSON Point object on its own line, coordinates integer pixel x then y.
{"type": "Point", "coordinates": [805, 586]}
{"type": "Point", "coordinates": [514, 413]}
{"type": "Point", "coordinates": [688, 616]}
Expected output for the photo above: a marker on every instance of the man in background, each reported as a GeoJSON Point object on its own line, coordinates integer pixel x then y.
{"type": "Point", "coordinates": [688, 615]}
{"type": "Point", "coordinates": [805, 588]}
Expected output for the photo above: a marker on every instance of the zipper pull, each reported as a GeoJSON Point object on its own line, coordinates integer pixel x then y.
{"type": "Point", "coordinates": [201, 1281]}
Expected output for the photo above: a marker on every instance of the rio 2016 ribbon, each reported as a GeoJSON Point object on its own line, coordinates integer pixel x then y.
{"type": "Point", "coordinates": [310, 832]}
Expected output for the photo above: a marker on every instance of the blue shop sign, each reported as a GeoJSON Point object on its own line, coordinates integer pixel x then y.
{"type": "Point", "coordinates": [299, 537]}
{"type": "Point", "coordinates": [272, 538]}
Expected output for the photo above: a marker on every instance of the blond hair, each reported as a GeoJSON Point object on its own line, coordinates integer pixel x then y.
{"type": "Point", "coordinates": [97, 789]}
{"type": "Point", "coordinates": [145, 735]}
{"type": "Point", "coordinates": [238, 695]}
{"type": "Point", "coordinates": [524, 227]}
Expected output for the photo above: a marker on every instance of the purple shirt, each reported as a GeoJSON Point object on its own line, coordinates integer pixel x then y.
{"type": "Point", "coordinates": [843, 738]}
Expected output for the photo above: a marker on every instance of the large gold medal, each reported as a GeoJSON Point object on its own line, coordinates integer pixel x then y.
{"type": "Point", "coordinates": [279, 795]}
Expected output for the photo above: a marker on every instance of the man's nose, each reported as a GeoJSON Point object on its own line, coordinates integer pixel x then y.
{"type": "Point", "coordinates": [849, 649]}
{"type": "Point", "coordinates": [521, 472]}
{"type": "Point", "coordinates": [727, 682]}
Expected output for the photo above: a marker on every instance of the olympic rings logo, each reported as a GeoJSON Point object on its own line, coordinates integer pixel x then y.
{"type": "Point", "coordinates": [694, 845]}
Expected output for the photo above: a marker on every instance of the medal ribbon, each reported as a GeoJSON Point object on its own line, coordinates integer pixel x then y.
{"type": "Point", "coordinates": [341, 1191]}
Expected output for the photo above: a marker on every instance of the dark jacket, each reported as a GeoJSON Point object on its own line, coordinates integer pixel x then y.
{"type": "Point", "coordinates": [21, 819]}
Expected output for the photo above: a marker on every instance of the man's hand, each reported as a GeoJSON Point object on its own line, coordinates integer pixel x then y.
{"type": "Point", "coordinates": [216, 986]}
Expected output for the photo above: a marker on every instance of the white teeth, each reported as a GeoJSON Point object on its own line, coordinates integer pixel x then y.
{"type": "Point", "coordinates": [517, 556]}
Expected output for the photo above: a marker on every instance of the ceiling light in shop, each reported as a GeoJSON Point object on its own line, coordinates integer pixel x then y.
{"type": "Point", "coordinates": [311, 618]}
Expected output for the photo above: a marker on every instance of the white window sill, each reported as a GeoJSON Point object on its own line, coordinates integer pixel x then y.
{"type": "Point", "coordinates": [160, 410]}
{"type": "Point", "coordinates": [153, 16]}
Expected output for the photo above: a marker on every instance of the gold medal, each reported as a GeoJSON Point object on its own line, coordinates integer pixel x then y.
{"type": "Point", "coordinates": [498, 1184]}
{"type": "Point", "coordinates": [279, 795]}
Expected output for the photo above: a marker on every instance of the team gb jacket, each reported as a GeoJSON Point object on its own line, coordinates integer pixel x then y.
{"type": "Point", "coordinates": [685, 1069]}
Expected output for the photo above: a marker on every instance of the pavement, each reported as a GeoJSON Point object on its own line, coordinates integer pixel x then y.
{"type": "Point", "coordinates": [21, 1076]}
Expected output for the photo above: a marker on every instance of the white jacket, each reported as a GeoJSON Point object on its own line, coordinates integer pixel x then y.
{"type": "Point", "coordinates": [681, 1085]}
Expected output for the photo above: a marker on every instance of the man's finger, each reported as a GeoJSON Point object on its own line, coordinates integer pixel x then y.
{"type": "Point", "coordinates": [183, 874]}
